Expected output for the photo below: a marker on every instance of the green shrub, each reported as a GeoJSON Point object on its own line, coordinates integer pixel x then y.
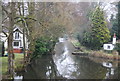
{"type": "Point", "coordinates": [86, 39]}
{"type": "Point", "coordinates": [118, 47]}
{"type": "Point", "coordinates": [43, 45]}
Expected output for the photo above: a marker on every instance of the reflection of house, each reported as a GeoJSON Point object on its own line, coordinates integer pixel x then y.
{"type": "Point", "coordinates": [17, 40]}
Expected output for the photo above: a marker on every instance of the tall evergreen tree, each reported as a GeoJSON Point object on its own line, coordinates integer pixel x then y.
{"type": "Point", "coordinates": [100, 33]}
{"type": "Point", "coordinates": [116, 23]}
{"type": "Point", "coordinates": [119, 19]}
{"type": "Point", "coordinates": [114, 26]}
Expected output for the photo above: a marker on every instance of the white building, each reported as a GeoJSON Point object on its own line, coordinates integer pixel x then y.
{"type": "Point", "coordinates": [110, 46]}
{"type": "Point", "coordinates": [61, 39]}
{"type": "Point", "coordinates": [17, 40]}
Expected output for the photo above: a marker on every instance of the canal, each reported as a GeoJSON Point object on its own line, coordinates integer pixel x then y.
{"type": "Point", "coordinates": [64, 65]}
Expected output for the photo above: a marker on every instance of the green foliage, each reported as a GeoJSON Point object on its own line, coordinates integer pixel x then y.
{"type": "Point", "coordinates": [99, 33]}
{"type": "Point", "coordinates": [43, 45]}
{"type": "Point", "coordinates": [119, 19]}
{"type": "Point", "coordinates": [116, 23]}
{"type": "Point", "coordinates": [118, 47]}
{"type": "Point", "coordinates": [115, 27]}
{"type": "Point", "coordinates": [86, 39]}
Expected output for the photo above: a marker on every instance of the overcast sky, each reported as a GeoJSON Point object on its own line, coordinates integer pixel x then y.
{"type": "Point", "coordinates": [108, 7]}
{"type": "Point", "coordinates": [62, 0]}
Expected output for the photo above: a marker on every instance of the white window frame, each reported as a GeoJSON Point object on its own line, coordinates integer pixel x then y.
{"type": "Point", "coordinates": [16, 46]}
{"type": "Point", "coordinates": [16, 36]}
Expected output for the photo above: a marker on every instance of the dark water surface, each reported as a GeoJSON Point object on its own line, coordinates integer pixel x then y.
{"type": "Point", "coordinates": [64, 65]}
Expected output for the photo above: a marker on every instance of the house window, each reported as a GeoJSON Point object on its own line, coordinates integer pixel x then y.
{"type": "Point", "coordinates": [16, 43]}
{"type": "Point", "coordinates": [16, 35]}
{"type": "Point", "coordinates": [108, 47]}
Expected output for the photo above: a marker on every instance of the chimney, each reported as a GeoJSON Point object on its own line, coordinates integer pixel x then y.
{"type": "Point", "coordinates": [114, 39]}
{"type": "Point", "coordinates": [114, 35]}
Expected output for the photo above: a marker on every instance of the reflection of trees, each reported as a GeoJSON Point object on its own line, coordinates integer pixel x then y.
{"type": "Point", "coordinates": [86, 69]}
{"type": "Point", "coordinates": [113, 73]}
{"type": "Point", "coordinates": [42, 68]}
{"type": "Point", "coordinates": [99, 60]}
{"type": "Point", "coordinates": [89, 69]}
{"type": "Point", "coordinates": [112, 70]}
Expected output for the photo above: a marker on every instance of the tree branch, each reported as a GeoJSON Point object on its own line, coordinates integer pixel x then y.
{"type": "Point", "coordinates": [5, 10]}
{"type": "Point", "coordinates": [5, 33]}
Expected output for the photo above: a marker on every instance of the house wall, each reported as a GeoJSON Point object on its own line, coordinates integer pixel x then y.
{"type": "Point", "coordinates": [17, 49]}
{"type": "Point", "coordinates": [6, 44]}
{"type": "Point", "coordinates": [4, 39]}
{"type": "Point", "coordinates": [20, 40]}
{"type": "Point", "coordinates": [108, 46]}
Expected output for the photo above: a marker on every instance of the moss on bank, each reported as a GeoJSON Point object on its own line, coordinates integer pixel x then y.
{"type": "Point", "coordinates": [102, 54]}
{"type": "Point", "coordinates": [99, 54]}
{"type": "Point", "coordinates": [18, 65]}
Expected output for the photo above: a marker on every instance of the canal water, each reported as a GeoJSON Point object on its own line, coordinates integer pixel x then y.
{"type": "Point", "coordinates": [64, 65]}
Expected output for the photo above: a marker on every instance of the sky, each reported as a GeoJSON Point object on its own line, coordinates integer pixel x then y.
{"type": "Point", "coordinates": [108, 7]}
{"type": "Point", "coordinates": [62, 0]}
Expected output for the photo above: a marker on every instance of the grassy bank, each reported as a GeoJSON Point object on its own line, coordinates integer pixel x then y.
{"type": "Point", "coordinates": [18, 64]}
{"type": "Point", "coordinates": [99, 54]}
{"type": "Point", "coordinates": [102, 54]}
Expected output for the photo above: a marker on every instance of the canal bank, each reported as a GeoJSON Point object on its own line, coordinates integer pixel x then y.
{"type": "Point", "coordinates": [81, 50]}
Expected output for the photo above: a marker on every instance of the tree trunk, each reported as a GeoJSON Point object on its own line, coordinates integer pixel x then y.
{"type": "Point", "coordinates": [21, 12]}
{"type": "Point", "coordinates": [10, 40]}
{"type": "Point", "coordinates": [31, 25]}
{"type": "Point", "coordinates": [10, 55]}
{"type": "Point", "coordinates": [24, 46]}
{"type": "Point", "coordinates": [3, 48]}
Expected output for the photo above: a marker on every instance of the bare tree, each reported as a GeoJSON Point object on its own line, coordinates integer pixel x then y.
{"type": "Point", "coordinates": [10, 14]}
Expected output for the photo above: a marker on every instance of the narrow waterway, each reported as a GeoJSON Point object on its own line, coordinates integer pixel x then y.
{"type": "Point", "coordinates": [64, 65]}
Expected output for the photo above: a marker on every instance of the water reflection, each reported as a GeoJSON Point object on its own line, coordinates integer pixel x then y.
{"type": "Point", "coordinates": [107, 64]}
{"type": "Point", "coordinates": [64, 65]}
{"type": "Point", "coordinates": [111, 65]}
{"type": "Point", "coordinates": [75, 67]}
{"type": "Point", "coordinates": [16, 78]}
{"type": "Point", "coordinates": [42, 69]}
